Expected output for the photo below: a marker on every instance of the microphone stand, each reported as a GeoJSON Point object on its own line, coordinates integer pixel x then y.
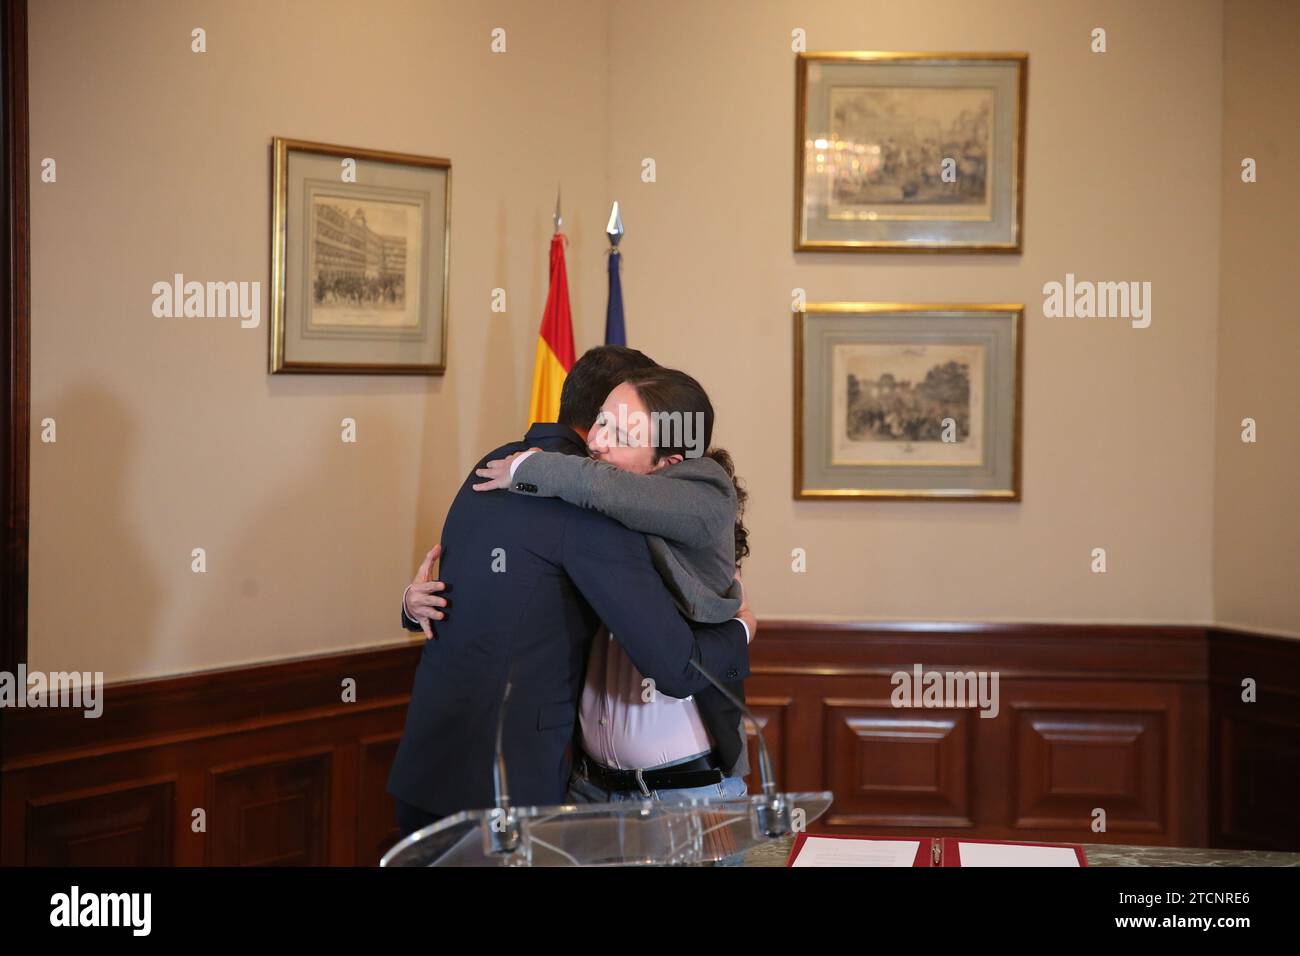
{"type": "Point", "coordinates": [503, 835]}
{"type": "Point", "coordinates": [773, 812]}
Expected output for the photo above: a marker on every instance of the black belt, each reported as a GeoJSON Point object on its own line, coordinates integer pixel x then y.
{"type": "Point", "coordinates": [699, 772]}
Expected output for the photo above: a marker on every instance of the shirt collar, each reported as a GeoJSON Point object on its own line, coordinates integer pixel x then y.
{"type": "Point", "coordinates": [552, 433]}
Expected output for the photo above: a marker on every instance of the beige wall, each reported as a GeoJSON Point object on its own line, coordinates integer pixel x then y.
{"type": "Point", "coordinates": [172, 436]}
{"type": "Point", "coordinates": [1256, 514]}
{"type": "Point", "coordinates": [1121, 183]}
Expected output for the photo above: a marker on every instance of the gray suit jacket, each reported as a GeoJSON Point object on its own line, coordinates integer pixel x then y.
{"type": "Point", "coordinates": [687, 512]}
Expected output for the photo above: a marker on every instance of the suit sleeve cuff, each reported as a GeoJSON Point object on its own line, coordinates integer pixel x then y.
{"type": "Point", "coordinates": [742, 623]}
{"type": "Point", "coordinates": [519, 461]}
{"type": "Point", "coordinates": [411, 622]}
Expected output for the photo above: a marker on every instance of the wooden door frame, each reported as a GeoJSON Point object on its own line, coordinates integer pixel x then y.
{"type": "Point", "coordinates": [15, 339]}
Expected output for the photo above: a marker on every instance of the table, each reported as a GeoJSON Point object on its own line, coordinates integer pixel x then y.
{"type": "Point", "coordinates": [1100, 854]}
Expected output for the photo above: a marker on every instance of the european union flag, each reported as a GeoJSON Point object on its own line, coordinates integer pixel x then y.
{"type": "Point", "coordinates": [615, 333]}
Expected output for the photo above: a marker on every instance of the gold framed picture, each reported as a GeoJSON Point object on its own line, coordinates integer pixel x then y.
{"type": "Point", "coordinates": [912, 402]}
{"type": "Point", "coordinates": [360, 254]}
{"type": "Point", "coordinates": [909, 152]}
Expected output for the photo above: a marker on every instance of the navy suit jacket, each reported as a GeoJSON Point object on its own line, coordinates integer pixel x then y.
{"type": "Point", "coordinates": [528, 583]}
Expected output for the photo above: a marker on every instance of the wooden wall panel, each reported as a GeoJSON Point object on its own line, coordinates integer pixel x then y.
{"type": "Point", "coordinates": [1071, 763]}
{"type": "Point", "coordinates": [897, 768]}
{"type": "Point", "coordinates": [270, 811]}
{"type": "Point", "coordinates": [771, 714]}
{"type": "Point", "coordinates": [281, 775]}
{"type": "Point", "coordinates": [376, 810]}
{"type": "Point", "coordinates": [1254, 741]}
{"type": "Point", "coordinates": [1087, 717]}
{"type": "Point", "coordinates": [1146, 723]}
{"type": "Point", "coordinates": [119, 826]}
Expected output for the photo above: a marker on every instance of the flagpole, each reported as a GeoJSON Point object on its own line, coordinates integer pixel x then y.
{"type": "Point", "coordinates": [615, 326]}
{"type": "Point", "coordinates": [555, 350]}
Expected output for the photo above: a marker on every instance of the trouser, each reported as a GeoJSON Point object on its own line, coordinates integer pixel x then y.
{"type": "Point", "coordinates": [411, 818]}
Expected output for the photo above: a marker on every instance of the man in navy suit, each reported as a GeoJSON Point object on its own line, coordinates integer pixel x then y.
{"type": "Point", "coordinates": [532, 580]}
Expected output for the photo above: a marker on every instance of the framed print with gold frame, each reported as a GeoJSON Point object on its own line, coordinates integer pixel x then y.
{"type": "Point", "coordinates": [360, 251]}
{"type": "Point", "coordinates": [907, 401]}
{"type": "Point", "coordinates": [909, 152]}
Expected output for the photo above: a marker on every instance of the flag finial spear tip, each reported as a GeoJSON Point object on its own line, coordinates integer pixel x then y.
{"type": "Point", "coordinates": [559, 219]}
{"type": "Point", "coordinates": [615, 228]}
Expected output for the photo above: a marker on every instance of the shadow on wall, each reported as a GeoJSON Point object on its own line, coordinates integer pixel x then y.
{"type": "Point", "coordinates": [439, 474]}
{"type": "Point", "coordinates": [313, 564]}
{"type": "Point", "coordinates": [105, 606]}
{"type": "Point", "coordinates": [501, 393]}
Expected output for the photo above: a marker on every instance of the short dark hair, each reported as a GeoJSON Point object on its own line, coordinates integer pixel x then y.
{"type": "Point", "coordinates": [668, 391]}
{"type": "Point", "coordinates": [593, 377]}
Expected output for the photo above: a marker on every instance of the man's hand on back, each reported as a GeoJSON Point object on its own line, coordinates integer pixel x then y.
{"type": "Point", "coordinates": [420, 600]}
{"type": "Point", "coordinates": [745, 614]}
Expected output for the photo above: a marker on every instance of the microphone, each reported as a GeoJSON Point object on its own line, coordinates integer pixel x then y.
{"type": "Point", "coordinates": [502, 837]}
{"type": "Point", "coordinates": [772, 809]}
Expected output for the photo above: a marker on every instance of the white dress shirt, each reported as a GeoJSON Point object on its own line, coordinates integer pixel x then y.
{"type": "Point", "coordinates": [626, 723]}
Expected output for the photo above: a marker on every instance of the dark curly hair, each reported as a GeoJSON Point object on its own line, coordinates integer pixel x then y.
{"type": "Point", "coordinates": [672, 390]}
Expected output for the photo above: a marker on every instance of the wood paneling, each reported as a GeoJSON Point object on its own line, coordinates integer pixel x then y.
{"type": "Point", "coordinates": [770, 713]}
{"type": "Point", "coordinates": [1254, 741]}
{"type": "Point", "coordinates": [282, 769]}
{"type": "Point", "coordinates": [120, 826]}
{"type": "Point", "coordinates": [270, 811]}
{"type": "Point", "coordinates": [897, 768]}
{"type": "Point", "coordinates": [1144, 723]}
{"type": "Point", "coordinates": [376, 811]}
{"type": "Point", "coordinates": [1089, 718]}
{"type": "Point", "coordinates": [1072, 765]}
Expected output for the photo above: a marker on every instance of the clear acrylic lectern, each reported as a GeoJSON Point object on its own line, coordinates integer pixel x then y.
{"type": "Point", "coordinates": [629, 833]}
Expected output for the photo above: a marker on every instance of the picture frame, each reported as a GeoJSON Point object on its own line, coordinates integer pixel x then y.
{"type": "Point", "coordinates": [908, 402]}
{"type": "Point", "coordinates": [910, 152]}
{"type": "Point", "coordinates": [360, 260]}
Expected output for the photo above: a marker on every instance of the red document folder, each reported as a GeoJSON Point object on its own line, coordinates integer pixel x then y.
{"type": "Point", "coordinates": [935, 851]}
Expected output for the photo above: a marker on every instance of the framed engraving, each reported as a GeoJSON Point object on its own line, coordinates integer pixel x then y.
{"type": "Point", "coordinates": [909, 152]}
{"type": "Point", "coordinates": [908, 402]}
{"type": "Point", "coordinates": [360, 252]}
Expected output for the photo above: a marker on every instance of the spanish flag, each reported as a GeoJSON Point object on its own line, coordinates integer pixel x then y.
{"type": "Point", "coordinates": [555, 354]}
